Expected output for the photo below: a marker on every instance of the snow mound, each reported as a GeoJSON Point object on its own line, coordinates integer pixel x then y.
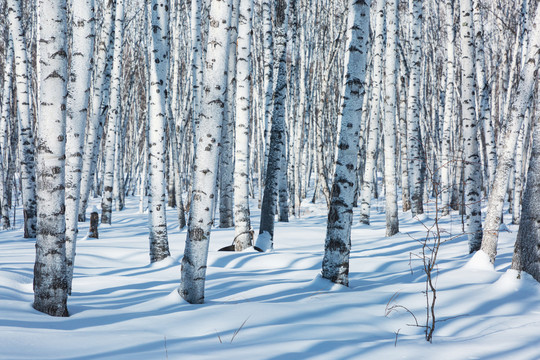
{"type": "Point", "coordinates": [480, 261]}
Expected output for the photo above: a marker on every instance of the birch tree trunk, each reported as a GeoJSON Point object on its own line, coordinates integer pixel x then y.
{"type": "Point", "coordinates": [83, 34]}
{"type": "Point", "coordinates": [157, 115]}
{"type": "Point", "coordinates": [226, 163]}
{"type": "Point", "coordinates": [390, 105]}
{"type": "Point", "coordinates": [4, 119]}
{"type": "Point", "coordinates": [484, 110]}
{"type": "Point", "coordinates": [373, 137]}
{"type": "Point", "coordinates": [243, 235]}
{"type": "Point", "coordinates": [26, 137]}
{"type": "Point", "coordinates": [526, 257]}
{"type": "Point", "coordinates": [50, 276]}
{"type": "Point", "coordinates": [446, 143]}
{"type": "Point", "coordinates": [335, 266]}
{"type": "Point", "coordinates": [506, 153]}
{"type": "Point", "coordinates": [115, 113]}
{"type": "Point", "coordinates": [416, 155]}
{"type": "Point", "coordinates": [472, 165]}
{"type": "Point", "coordinates": [99, 104]}
{"type": "Point", "coordinates": [207, 137]}
{"type": "Point", "coordinates": [277, 136]}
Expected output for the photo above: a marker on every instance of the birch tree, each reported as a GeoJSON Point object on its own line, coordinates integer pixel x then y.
{"type": "Point", "coordinates": [446, 156]}
{"type": "Point", "coordinates": [472, 164]}
{"type": "Point", "coordinates": [277, 134]}
{"type": "Point", "coordinates": [26, 136]}
{"type": "Point", "coordinates": [390, 105]}
{"type": "Point", "coordinates": [243, 235]}
{"type": "Point", "coordinates": [206, 137]}
{"type": "Point", "coordinates": [4, 120]}
{"type": "Point", "coordinates": [415, 149]}
{"type": "Point", "coordinates": [506, 153]}
{"type": "Point", "coordinates": [114, 115]}
{"type": "Point", "coordinates": [157, 116]}
{"type": "Point", "coordinates": [99, 103]}
{"type": "Point", "coordinates": [83, 33]}
{"type": "Point", "coordinates": [526, 257]}
{"type": "Point", "coordinates": [335, 266]}
{"type": "Point", "coordinates": [373, 136]}
{"type": "Point", "coordinates": [50, 276]}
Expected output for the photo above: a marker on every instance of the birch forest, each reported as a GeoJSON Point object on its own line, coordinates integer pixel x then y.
{"type": "Point", "coordinates": [219, 108]}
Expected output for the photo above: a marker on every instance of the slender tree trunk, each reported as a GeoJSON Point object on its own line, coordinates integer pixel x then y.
{"type": "Point", "coordinates": [446, 156]}
{"type": "Point", "coordinates": [277, 137]}
{"type": "Point", "coordinates": [4, 120]}
{"type": "Point", "coordinates": [50, 276]}
{"type": "Point", "coordinates": [83, 34]}
{"type": "Point", "coordinates": [26, 137]}
{"type": "Point", "coordinates": [335, 266]}
{"type": "Point", "coordinates": [115, 113]}
{"type": "Point", "coordinates": [373, 137]}
{"type": "Point", "coordinates": [157, 115]}
{"type": "Point", "coordinates": [416, 155]}
{"type": "Point", "coordinates": [390, 105]}
{"type": "Point", "coordinates": [226, 163]}
{"type": "Point", "coordinates": [472, 165]}
{"type": "Point", "coordinates": [243, 235]}
{"type": "Point", "coordinates": [100, 101]}
{"type": "Point", "coordinates": [207, 137]}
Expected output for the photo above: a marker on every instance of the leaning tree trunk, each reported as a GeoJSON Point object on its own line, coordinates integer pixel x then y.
{"type": "Point", "coordinates": [157, 116]}
{"type": "Point", "coordinates": [207, 137]}
{"type": "Point", "coordinates": [26, 137]}
{"type": "Point", "coordinates": [335, 266]}
{"type": "Point", "coordinates": [472, 165]}
{"type": "Point", "coordinates": [78, 95]}
{"type": "Point", "coordinates": [506, 154]}
{"type": "Point", "coordinates": [243, 235]}
{"type": "Point", "coordinates": [50, 276]}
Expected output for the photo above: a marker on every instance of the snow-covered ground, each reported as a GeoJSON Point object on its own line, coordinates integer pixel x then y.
{"type": "Point", "coordinates": [272, 305]}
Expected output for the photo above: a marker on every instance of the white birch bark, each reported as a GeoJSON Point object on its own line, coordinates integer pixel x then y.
{"type": "Point", "coordinates": [416, 155]}
{"type": "Point", "coordinates": [390, 105]}
{"type": "Point", "coordinates": [521, 158]}
{"type": "Point", "coordinates": [506, 154]}
{"type": "Point", "coordinates": [446, 143]}
{"type": "Point", "coordinates": [99, 104]}
{"type": "Point", "coordinates": [50, 276]}
{"type": "Point", "coordinates": [277, 134]}
{"type": "Point", "coordinates": [196, 58]}
{"type": "Point", "coordinates": [484, 110]}
{"type": "Point", "coordinates": [373, 134]}
{"type": "Point", "coordinates": [526, 257]}
{"type": "Point", "coordinates": [471, 155]}
{"type": "Point", "coordinates": [207, 137]}
{"type": "Point", "coordinates": [114, 115]}
{"type": "Point", "coordinates": [157, 115]}
{"type": "Point", "coordinates": [83, 34]}
{"type": "Point", "coordinates": [226, 163]}
{"type": "Point", "coordinates": [26, 136]}
{"type": "Point", "coordinates": [4, 119]}
{"type": "Point", "coordinates": [335, 266]}
{"type": "Point", "coordinates": [268, 82]}
{"type": "Point", "coordinates": [243, 234]}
